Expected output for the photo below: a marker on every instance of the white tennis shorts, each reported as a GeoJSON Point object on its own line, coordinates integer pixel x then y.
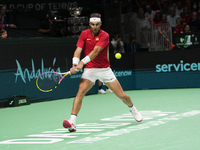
{"type": "Point", "coordinates": [103, 74]}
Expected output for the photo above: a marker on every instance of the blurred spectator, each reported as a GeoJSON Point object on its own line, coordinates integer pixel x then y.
{"type": "Point", "coordinates": [199, 12]}
{"type": "Point", "coordinates": [142, 21]}
{"type": "Point", "coordinates": [158, 17]}
{"type": "Point", "coordinates": [179, 8]}
{"type": "Point", "coordinates": [1, 26]}
{"type": "Point", "coordinates": [172, 17]}
{"type": "Point", "coordinates": [186, 16]}
{"type": "Point", "coordinates": [111, 48]}
{"type": "Point", "coordinates": [156, 5]}
{"type": "Point", "coordinates": [117, 44]}
{"type": "Point", "coordinates": [164, 19]}
{"type": "Point", "coordinates": [129, 6]}
{"type": "Point", "coordinates": [170, 2]}
{"type": "Point", "coordinates": [50, 27]}
{"type": "Point", "coordinates": [150, 13]}
{"type": "Point", "coordinates": [4, 18]}
{"type": "Point", "coordinates": [115, 4]}
{"type": "Point", "coordinates": [180, 26]}
{"type": "Point", "coordinates": [132, 46]}
{"type": "Point", "coordinates": [143, 26]}
{"type": "Point", "coordinates": [45, 27]}
{"type": "Point", "coordinates": [194, 7]}
{"type": "Point", "coordinates": [174, 5]}
{"type": "Point", "coordinates": [3, 34]}
{"type": "Point", "coordinates": [164, 26]}
{"type": "Point", "coordinates": [186, 28]}
{"type": "Point", "coordinates": [188, 4]}
{"type": "Point", "coordinates": [165, 8]}
{"type": "Point", "coordinates": [143, 4]}
{"type": "Point", "coordinates": [194, 23]}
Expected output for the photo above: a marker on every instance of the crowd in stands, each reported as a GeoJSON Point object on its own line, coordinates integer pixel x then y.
{"type": "Point", "coordinates": [181, 18]}
{"type": "Point", "coordinates": [182, 15]}
{"type": "Point", "coordinates": [178, 13]}
{"type": "Point", "coordinates": [3, 20]}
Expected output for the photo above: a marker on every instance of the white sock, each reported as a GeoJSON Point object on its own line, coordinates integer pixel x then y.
{"type": "Point", "coordinates": [73, 119]}
{"type": "Point", "coordinates": [132, 108]}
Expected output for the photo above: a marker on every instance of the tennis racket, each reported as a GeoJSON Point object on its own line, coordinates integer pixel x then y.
{"type": "Point", "coordinates": [48, 81]}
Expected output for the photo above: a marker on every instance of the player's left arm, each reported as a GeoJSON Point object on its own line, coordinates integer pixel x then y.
{"type": "Point", "coordinates": [95, 52]}
{"type": "Point", "coordinates": [103, 42]}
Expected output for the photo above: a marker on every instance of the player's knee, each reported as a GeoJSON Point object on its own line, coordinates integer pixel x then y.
{"type": "Point", "coordinates": [82, 91]}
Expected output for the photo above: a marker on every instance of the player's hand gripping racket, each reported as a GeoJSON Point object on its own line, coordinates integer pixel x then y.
{"type": "Point", "coordinates": [48, 81]}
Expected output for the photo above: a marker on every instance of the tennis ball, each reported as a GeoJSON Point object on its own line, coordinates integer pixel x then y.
{"type": "Point", "coordinates": [118, 55]}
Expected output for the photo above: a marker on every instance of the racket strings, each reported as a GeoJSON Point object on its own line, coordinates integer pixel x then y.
{"type": "Point", "coordinates": [48, 81]}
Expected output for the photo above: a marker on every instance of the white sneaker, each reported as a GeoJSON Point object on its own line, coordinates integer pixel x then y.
{"type": "Point", "coordinates": [109, 91]}
{"type": "Point", "coordinates": [136, 114]}
{"type": "Point", "coordinates": [101, 91]}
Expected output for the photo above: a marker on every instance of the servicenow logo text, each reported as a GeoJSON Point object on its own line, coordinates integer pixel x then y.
{"type": "Point", "coordinates": [178, 67]}
{"type": "Point", "coordinates": [122, 73]}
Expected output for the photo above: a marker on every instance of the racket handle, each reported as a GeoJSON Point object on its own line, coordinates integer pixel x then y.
{"type": "Point", "coordinates": [75, 70]}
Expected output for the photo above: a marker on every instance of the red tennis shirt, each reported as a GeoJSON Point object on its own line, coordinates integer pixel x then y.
{"type": "Point", "coordinates": [87, 42]}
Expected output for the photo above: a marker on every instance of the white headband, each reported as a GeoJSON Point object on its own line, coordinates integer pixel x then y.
{"type": "Point", "coordinates": [95, 19]}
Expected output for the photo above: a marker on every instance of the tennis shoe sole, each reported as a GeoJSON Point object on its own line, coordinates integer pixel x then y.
{"type": "Point", "coordinates": [69, 126]}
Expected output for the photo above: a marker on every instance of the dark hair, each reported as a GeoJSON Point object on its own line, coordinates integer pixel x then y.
{"type": "Point", "coordinates": [95, 15]}
{"type": "Point", "coordinates": [183, 13]}
{"type": "Point", "coordinates": [158, 19]}
{"type": "Point", "coordinates": [165, 3]}
{"type": "Point", "coordinates": [140, 11]}
{"type": "Point", "coordinates": [132, 37]}
{"type": "Point", "coordinates": [185, 26]}
{"type": "Point", "coordinates": [179, 19]}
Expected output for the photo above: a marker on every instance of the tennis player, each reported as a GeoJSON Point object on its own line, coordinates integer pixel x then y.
{"type": "Point", "coordinates": [95, 44]}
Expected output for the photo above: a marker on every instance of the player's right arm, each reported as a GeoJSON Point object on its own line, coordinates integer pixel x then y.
{"type": "Point", "coordinates": [77, 54]}
{"type": "Point", "coordinates": [76, 59]}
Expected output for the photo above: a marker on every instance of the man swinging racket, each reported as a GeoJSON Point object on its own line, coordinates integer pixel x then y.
{"type": "Point", "coordinates": [95, 44]}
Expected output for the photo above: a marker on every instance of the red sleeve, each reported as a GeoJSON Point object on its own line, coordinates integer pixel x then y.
{"type": "Point", "coordinates": [81, 40]}
{"type": "Point", "coordinates": [103, 40]}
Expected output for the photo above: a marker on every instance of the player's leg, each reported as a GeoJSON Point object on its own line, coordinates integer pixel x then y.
{"type": "Point", "coordinates": [100, 91]}
{"type": "Point", "coordinates": [84, 86]}
{"type": "Point", "coordinates": [117, 89]}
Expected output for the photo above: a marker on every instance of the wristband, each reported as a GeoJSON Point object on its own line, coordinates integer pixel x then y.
{"type": "Point", "coordinates": [75, 60]}
{"type": "Point", "coordinates": [86, 59]}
